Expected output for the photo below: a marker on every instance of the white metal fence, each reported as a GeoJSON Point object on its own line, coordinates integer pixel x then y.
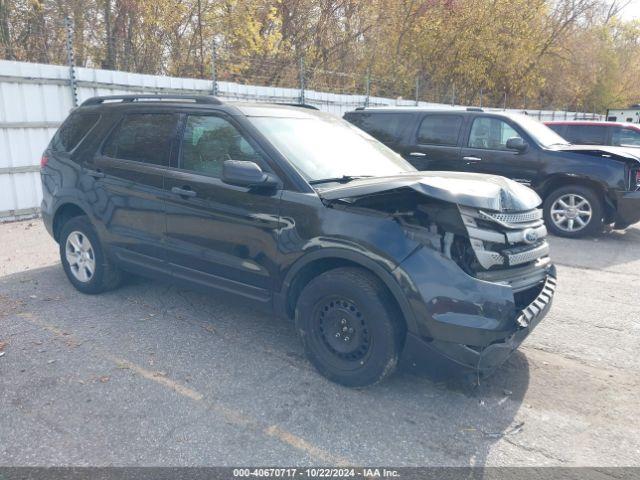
{"type": "Point", "coordinates": [36, 98]}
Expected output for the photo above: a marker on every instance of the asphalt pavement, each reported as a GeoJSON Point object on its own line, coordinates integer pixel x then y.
{"type": "Point", "coordinates": [153, 374]}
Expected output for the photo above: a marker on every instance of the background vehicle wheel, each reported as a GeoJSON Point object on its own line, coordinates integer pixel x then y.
{"type": "Point", "coordinates": [573, 211]}
{"type": "Point", "coordinates": [83, 259]}
{"type": "Point", "coordinates": [350, 327]}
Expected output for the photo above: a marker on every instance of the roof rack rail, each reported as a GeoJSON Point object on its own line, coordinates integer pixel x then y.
{"type": "Point", "coordinates": [474, 109]}
{"type": "Point", "coordinates": [301, 105]}
{"type": "Point", "coordinates": [133, 98]}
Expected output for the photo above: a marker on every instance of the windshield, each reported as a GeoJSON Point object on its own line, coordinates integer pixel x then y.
{"type": "Point", "coordinates": [324, 148]}
{"type": "Point", "coordinates": [542, 134]}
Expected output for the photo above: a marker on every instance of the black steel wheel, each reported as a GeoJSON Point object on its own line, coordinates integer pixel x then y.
{"type": "Point", "coordinates": [350, 327]}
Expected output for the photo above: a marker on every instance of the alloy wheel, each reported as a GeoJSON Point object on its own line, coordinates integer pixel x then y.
{"type": "Point", "coordinates": [571, 212]}
{"type": "Point", "coordinates": [81, 256]}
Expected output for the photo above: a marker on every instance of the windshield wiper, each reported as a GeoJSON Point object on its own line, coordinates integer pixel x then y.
{"type": "Point", "coordinates": [342, 179]}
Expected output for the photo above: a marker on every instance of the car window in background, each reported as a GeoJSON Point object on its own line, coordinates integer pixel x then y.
{"type": "Point", "coordinates": [440, 130]}
{"type": "Point", "coordinates": [143, 137]}
{"type": "Point", "coordinates": [73, 130]}
{"type": "Point", "coordinates": [490, 133]}
{"type": "Point", "coordinates": [559, 129]}
{"type": "Point", "coordinates": [386, 127]}
{"type": "Point", "coordinates": [210, 140]}
{"type": "Point", "coordinates": [627, 137]}
{"type": "Point", "coordinates": [587, 134]}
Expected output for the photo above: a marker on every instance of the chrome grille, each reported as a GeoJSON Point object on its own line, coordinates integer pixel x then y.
{"type": "Point", "coordinates": [505, 240]}
{"type": "Point", "coordinates": [527, 256]}
{"type": "Point", "coordinates": [514, 220]}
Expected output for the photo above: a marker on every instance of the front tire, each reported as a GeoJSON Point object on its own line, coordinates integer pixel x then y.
{"type": "Point", "coordinates": [573, 211]}
{"type": "Point", "coordinates": [83, 258]}
{"type": "Point", "coordinates": [349, 326]}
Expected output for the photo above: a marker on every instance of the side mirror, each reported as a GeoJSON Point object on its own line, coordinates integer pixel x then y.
{"type": "Point", "coordinates": [516, 143]}
{"type": "Point", "coordinates": [246, 174]}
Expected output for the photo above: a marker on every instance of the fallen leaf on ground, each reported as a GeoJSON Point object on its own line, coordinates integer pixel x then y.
{"type": "Point", "coordinates": [104, 378]}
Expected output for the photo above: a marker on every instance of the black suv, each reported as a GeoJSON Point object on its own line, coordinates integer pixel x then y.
{"type": "Point", "coordinates": [583, 187]}
{"type": "Point", "coordinates": [301, 212]}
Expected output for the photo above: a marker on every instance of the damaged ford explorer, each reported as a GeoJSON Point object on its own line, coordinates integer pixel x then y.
{"type": "Point", "coordinates": [301, 212]}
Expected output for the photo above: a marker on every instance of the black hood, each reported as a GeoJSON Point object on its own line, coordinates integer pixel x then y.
{"type": "Point", "coordinates": [489, 192]}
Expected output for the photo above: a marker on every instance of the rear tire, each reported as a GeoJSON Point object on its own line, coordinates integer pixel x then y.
{"type": "Point", "coordinates": [573, 211]}
{"type": "Point", "coordinates": [349, 326]}
{"type": "Point", "coordinates": [83, 258]}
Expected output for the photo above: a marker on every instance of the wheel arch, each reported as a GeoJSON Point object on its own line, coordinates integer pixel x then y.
{"type": "Point", "coordinates": [564, 180]}
{"type": "Point", "coordinates": [63, 213]}
{"type": "Point", "coordinates": [316, 263]}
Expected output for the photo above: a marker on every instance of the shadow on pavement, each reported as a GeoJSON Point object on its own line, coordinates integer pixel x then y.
{"type": "Point", "coordinates": [257, 366]}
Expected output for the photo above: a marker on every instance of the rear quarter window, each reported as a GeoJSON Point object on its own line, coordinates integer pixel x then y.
{"type": "Point", "coordinates": [73, 130]}
{"type": "Point", "coordinates": [143, 137]}
{"type": "Point", "coordinates": [386, 127]}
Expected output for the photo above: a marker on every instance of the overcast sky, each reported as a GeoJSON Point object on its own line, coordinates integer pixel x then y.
{"type": "Point", "coordinates": [632, 11]}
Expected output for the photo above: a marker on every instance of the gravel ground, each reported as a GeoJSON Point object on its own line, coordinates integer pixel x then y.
{"type": "Point", "coordinates": [152, 374]}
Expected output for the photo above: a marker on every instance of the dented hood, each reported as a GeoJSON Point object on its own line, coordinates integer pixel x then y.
{"type": "Point", "coordinates": [627, 154]}
{"type": "Point", "coordinates": [490, 192]}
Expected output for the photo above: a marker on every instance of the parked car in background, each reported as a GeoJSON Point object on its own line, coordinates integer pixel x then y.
{"type": "Point", "coordinates": [598, 133]}
{"type": "Point", "coordinates": [583, 187]}
{"type": "Point", "coordinates": [299, 211]}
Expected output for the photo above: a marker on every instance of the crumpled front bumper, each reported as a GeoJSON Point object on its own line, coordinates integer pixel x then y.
{"type": "Point", "coordinates": [628, 209]}
{"type": "Point", "coordinates": [442, 359]}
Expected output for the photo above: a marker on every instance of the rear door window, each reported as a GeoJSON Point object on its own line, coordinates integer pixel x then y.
{"type": "Point", "coordinates": [626, 137]}
{"type": "Point", "coordinates": [73, 130]}
{"type": "Point", "coordinates": [440, 130]}
{"type": "Point", "coordinates": [143, 137]}
{"type": "Point", "coordinates": [491, 134]}
{"type": "Point", "coordinates": [386, 127]}
{"type": "Point", "coordinates": [586, 134]}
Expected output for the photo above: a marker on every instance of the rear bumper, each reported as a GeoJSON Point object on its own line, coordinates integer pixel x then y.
{"type": "Point", "coordinates": [628, 208]}
{"type": "Point", "coordinates": [442, 359]}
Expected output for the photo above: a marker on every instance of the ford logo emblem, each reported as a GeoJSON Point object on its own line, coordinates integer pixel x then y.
{"type": "Point", "coordinates": [530, 235]}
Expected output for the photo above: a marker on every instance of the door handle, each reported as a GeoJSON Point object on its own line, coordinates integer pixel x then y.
{"type": "Point", "coordinates": [418, 154]}
{"type": "Point", "coordinates": [95, 173]}
{"type": "Point", "coordinates": [472, 159]}
{"type": "Point", "coordinates": [183, 192]}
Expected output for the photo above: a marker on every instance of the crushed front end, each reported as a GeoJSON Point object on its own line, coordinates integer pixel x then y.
{"type": "Point", "coordinates": [478, 278]}
{"type": "Point", "coordinates": [479, 286]}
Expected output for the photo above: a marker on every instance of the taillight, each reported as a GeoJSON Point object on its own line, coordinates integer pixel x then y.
{"type": "Point", "coordinates": [43, 161]}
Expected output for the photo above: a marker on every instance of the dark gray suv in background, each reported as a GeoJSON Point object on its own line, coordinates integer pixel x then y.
{"type": "Point", "coordinates": [300, 212]}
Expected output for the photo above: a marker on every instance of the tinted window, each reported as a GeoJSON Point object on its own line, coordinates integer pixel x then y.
{"type": "Point", "coordinates": [490, 133]}
{"type": "Point", "coordinates": [208, 141]}
{"type": "Point", "coordinates": [626, 137]}
{"type": "Point", "coordinates": [586, 134]}
{"type": "Point", "coordinates": [144, 137]}
{"type": "Point", "coordinates": [440, 130]}
{"type": "Point", "coordinates": [386, 127]}
{"type": "Point", "coordinates": [73, 130]}
{"type": "Point", "coordinates": [559, 129]}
